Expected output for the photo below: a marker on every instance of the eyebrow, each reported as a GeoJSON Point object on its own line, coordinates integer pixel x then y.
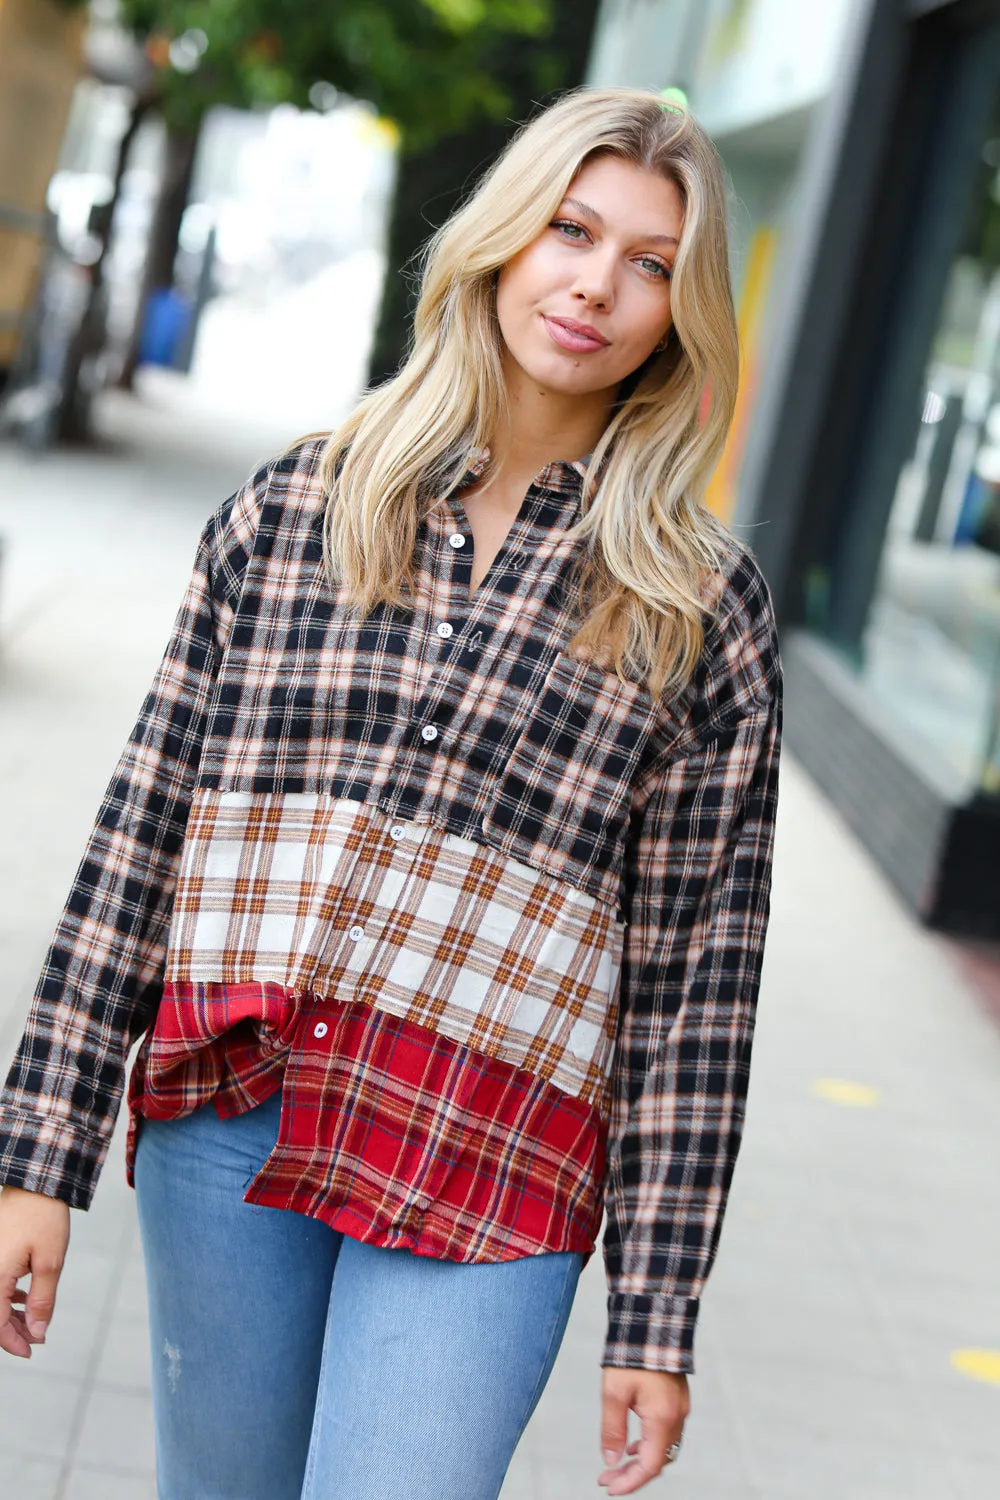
{"type": "Point", "coordinates": [587, 211]}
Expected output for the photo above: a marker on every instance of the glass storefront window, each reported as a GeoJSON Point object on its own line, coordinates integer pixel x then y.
{"type": "Point", "coordinates": [932, 644]}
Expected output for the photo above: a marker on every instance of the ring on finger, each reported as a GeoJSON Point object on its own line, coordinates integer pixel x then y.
{"type": "Point", "coordinates": [673, 1451]}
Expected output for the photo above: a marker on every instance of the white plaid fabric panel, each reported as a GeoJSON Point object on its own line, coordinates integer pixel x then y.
{"type": "Point", "coordinates": [331, 897]}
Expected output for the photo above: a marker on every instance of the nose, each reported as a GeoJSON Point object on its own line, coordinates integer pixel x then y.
{"type": "Point", "coordinates": [595, 280]}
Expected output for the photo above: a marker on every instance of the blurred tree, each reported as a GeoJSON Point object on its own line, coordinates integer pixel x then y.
{"type": "Point", "coordinates": [422, 63]}
{"type": "Point", "coordinates": [454, 75]}
{"type": "Point", "coordinates": [436, 172]}
{"type": "Point", "coordinates": [425, 64]}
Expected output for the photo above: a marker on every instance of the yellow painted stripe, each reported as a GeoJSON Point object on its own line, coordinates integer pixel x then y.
{"type": "Point", "coordinates": [978, 1364]}
{"type": "Point", "coordinates": [842, 1091]}
{"type": "Point", "coordinates": [720, 495]}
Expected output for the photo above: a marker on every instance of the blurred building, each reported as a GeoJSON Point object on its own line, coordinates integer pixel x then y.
{"type": "Point", "coordinates": [863, 142]}
{"type": "Point", "coordinates": [41, 54]}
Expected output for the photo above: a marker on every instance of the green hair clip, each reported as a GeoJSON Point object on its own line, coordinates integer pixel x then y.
{"type": "Point", "coordinates": [675, 99]}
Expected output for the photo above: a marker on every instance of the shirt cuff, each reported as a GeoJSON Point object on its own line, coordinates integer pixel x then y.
{"type": "Point", "coordinates": [650, 1331]}
{"type": "Point", "coordinates": [49, 1156]}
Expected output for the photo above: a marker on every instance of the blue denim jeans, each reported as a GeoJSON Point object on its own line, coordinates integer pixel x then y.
{"type": "Point", "coordinates": [291, 1362]}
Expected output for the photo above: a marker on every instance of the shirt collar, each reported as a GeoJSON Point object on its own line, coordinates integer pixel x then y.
{"type": "Point", "coordinates": [561, 475]}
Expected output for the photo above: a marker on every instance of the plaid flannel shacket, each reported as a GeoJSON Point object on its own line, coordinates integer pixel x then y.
{"type": "Point", "coordinates": [450, 888]}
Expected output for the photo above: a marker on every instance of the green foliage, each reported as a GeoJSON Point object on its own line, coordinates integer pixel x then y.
{"type": "Point", "coordinates": [425, 64]}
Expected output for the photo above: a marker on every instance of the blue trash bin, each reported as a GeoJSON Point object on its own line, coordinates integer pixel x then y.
{"type": "Point", "coordinates": [164, 327]}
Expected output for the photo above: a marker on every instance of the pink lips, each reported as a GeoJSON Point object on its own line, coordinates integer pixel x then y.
{"type": "Point", "coordinates": [581, 338]}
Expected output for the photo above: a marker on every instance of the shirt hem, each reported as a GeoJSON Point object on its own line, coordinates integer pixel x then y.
{"type": "Point", "coordinates": [362, 1225]}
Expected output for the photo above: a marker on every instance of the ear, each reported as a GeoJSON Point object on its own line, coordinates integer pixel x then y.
{"type": "Point", "coordinates": [631, 382]}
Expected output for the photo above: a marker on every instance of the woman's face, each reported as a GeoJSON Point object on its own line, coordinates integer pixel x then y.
{"type": "Point", "coordinates": [586, 302]}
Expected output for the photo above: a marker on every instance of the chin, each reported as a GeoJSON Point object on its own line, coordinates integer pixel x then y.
{"type": "Point", "coordinates": [563, 377]}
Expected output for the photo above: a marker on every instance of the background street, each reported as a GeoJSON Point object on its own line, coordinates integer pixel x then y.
{"type": "Point", "coordinates": [863, 1238]}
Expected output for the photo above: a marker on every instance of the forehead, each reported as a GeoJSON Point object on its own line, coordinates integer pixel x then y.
{"type": "Point", "coordinates": [629, 197]}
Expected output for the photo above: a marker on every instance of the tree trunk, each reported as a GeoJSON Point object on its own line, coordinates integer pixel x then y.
{"type": "Point", "coordinates": [431, 184]}
{"type": "Point", "coordinates": [74, 411]}
{"type": "Point", "coordinates": [175, 190]}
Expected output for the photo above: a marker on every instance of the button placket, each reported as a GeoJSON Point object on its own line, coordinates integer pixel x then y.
{"type": "Point", "coordinates": [477, 637]}
{"type": "Point", "coordinates": [407, 839]}
{"type": "Point", "coordinates": [444, 662]}
{"type": "Point", "coordinates": [348, 950]}
{"type": "Point", "coordinates": [534, 537]}
{"type": "Point", "coordinates": [453, 584]}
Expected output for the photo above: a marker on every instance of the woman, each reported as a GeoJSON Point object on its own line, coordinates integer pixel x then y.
{"type": "Point", "coordinates": [436, 874]}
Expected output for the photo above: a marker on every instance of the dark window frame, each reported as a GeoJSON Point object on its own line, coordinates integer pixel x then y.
{"type": "Point", "coordinates": [839, 419]}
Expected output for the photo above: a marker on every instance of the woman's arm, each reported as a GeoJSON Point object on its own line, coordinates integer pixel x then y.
{"type": "Point", "coordinates": [101, 979]}
{"type": "Point", "coordinates": [698, 881]}
{"type": "Point", "coordinates": [700, 877]}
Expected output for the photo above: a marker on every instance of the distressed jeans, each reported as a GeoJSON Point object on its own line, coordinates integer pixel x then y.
{"type": "Point", "coordinates": [290, 1362]}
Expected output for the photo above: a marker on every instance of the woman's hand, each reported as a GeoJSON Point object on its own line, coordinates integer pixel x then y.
{"type": "Point", "coordinates": [661, 1402]}
{"type": "Point", "coordinates": [34, 1233]}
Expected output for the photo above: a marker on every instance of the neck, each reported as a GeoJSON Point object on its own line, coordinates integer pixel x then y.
{"type": "Point", "coordinates": [546, 426]}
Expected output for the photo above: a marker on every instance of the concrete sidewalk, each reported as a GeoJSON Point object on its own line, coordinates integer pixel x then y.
{"type": "Point", "coordinates": [862, 1243]}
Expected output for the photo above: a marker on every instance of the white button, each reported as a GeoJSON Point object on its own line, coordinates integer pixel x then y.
{"type": "Point", "coordinates": [457, 540]}
{"type": "Point", "coordinates": [429, 732]}
{"type": "Point", "coordinates": [444, 630]}
{"type": "Point", "coordinates": [356, 934]}
{"type": "Point", "coordinates": [397, 831]}
{"type": "Point", "coordinates": [320, 1029]}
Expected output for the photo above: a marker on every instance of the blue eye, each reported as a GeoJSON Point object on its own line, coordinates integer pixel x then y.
{"type": "Point", "coordinates": [658, 268]}
{"type": "Point", "coordinates": [568, 228]}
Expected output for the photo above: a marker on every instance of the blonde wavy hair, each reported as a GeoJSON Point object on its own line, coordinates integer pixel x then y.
{"type": "Point", "coordinates": [649, 547]}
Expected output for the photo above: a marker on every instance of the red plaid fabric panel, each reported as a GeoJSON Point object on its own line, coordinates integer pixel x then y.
{"type": "Point", "coordinates": [389, 1131]}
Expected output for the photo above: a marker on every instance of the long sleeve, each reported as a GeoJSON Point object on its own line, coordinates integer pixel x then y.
{"type": "Point", "coordinates": [102, 976]}
{"type": "Point", "coordinates": [699, 876]}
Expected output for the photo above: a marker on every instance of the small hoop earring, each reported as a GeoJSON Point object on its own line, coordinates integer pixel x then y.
{"type": "Point", "coordinates": [662, 344]}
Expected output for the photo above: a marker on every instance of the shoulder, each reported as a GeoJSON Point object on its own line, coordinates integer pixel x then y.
{"type": "Point", "coordinates": [283, 491]}
{"type": "Point", "coordinates": [739, 671]}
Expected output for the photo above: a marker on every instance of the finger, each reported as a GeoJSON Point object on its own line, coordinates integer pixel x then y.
{"type": "Point", "coordinates": [41, 1299]}
{"type": "Point", "coordinates": [651, 1450]}
{"type": "Point", "coordinates": [17, 1319]}
{"type": "Point", "coordinates": [631, 1477]}
{"type": "Point", "coordinates": [17, 1314]}
{"type": "Point", "coordinates": [14, 1336]}
{"type": "Point", "coordinates": [9, 1289]}
{"type": "Point", "coordinates": [12, 1340]}
{"type": "Point", "coordinates": [614, 1427]}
